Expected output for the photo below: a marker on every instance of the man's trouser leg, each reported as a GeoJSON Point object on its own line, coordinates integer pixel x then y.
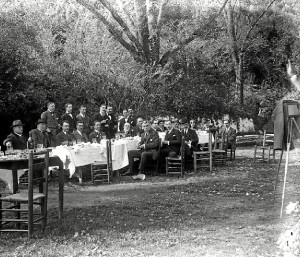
{"type": "Point", "coordinates": [131, 155]}
{"type": "Point", "coordinates": [145, 157]}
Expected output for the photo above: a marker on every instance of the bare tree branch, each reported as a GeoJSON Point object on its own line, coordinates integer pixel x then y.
{"type": "Point", "coordinates": [117, 34]}
{"type": "Point", "coordinates": [194, 35]}
{"type": "Point", "coordinates": [121, 22]}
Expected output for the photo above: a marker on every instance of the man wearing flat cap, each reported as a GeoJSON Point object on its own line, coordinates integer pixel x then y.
{"type": "Point", "coordinates": [40, 135]}
{"type": "Point", "coordinates": [16, 139]}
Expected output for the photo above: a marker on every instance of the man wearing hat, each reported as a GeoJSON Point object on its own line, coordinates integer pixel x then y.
{"type": "Point", "coordinates": [16, 139]}
{"type": "Point", "coordinates": [40, 135]}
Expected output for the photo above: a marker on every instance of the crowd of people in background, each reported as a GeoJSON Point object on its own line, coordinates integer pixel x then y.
{"type": "Point", "coordinates": [53, 131]}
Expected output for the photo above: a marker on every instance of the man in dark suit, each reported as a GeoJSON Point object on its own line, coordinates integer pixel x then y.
{"type": "Point", "coordinates": [16, 139]}
{"type": "Point", "coordinates": [123, 120]}
{"type": "Point", "coordinates": [78, 134]}
{"type": "Point", "coordinates": [148, 147]}
{"type": "Point", "coordinates": [102, 117]}
{"type": "Point", "coordinates": [64, 137]}
{"type": "Point", "coordinates": [85, 119]}
{"type": "Point", "coordinates": [132, 120]}
{"type": "Point", "coordinates": [190, 138]}
{"type": "Point", "coordinates": [112, 122]}
{"type": "Point", "coordinates": [96, 134]}
{"type": "Point", "coordinates": [69, 117]}
{"type": "Point", "coordinates": [40, 135]}
{"type": "Point", "coordinates": [228, 135]}
{"type": "Point", "coordinates": [138, 129]}
{"type": "Point", "coordinates": [172, 141]}
{"type": "Point", "coordinates": [51, 121]}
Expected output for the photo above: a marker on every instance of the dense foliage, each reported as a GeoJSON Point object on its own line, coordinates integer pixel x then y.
{"type": "Point", "coordinates": [73, 51]}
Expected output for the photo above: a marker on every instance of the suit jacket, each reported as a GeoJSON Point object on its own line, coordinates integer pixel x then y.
{"type": "Point", "coordinates": [151, 142]}
{"type": "Point", "coordinates": [39, 137]}
{"type": "Point", "coordinates": [132, 120]}
{"type": "Point", "coordinates": [228, 137]}
{"type": "Point", "coordinates": [174, 137]}
{"type": "Point", "coordinates": [72, 121]}
{"type": "Point", "coordinates": [86, 123]}
{"type": "Point", "coordinates": [95, 134]}
{"type": "Point", "coordinates": [83, 137]}
{"type": "Point", "coordinates": [121, 124]}
{"type": "Point", "coordinates": [137, 131]}
{"type": "Point", "coordinates": [112, 125]}
{"type": "Point", "coordinates": [62, 137]}
{"type": "Point", "coordinates": [192, 136]}
{"type": "Point", "coordinates": [50, 119]}
{"type": "Point", "coordinates": [18, 142]}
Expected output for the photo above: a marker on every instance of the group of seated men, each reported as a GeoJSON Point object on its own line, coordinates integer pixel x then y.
{"type": "Point", "coordinates": [82, 129]}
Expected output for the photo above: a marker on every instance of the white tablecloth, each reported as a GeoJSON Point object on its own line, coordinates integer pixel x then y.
{"type": "Point", "coordinates": [73, 157]}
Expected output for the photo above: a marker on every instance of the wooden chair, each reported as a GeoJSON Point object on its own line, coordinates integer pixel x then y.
{"type": "Point", "coordinates": [22, 203]}
{"type": "Point", "coordinates": [102, 171]}
{"type": "Point", "coordinates": [203, 159]}
{"type": "Point", "coordinates": [265, 148]}
{"type": "Point", "coordinates": [175, 165]}
{"type": "Point", "coordinates": [219, 155]}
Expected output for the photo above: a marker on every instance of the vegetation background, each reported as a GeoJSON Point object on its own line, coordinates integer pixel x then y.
{"type": "Point", "coordinates": [187, 58]}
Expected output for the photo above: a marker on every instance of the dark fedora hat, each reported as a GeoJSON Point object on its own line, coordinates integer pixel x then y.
{"type": "Point", "coordinates": [17, 123]}
{"type": "Point", "coordinates": [40, 121]}
{"type": "Point", "coordinates": [184, 121]}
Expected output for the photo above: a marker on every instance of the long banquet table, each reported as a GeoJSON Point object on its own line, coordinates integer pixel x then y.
{"type": "Point", "coordinates": [70, 158]}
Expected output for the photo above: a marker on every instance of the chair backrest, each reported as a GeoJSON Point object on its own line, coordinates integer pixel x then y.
{"type": "Point", "coordinates": [38, 169]}
{"type": "Point", "coordinates": [109, 155]}
{"type": "Point", "coordinates": [182, 149]}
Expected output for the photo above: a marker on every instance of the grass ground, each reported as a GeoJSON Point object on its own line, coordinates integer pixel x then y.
{"type": "Point", "coordinates": [230, 212]}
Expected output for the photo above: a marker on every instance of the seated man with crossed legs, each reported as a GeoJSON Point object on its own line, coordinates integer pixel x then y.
{"type": "Point", "coordinates": [148, 147]}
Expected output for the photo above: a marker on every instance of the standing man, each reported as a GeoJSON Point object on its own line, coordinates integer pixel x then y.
{"type": "Point", "coordinates": [40, 135]}
{"type": "Point", "coordinates": [96, 135]}
{"type": "Point", "coordinates": [102, 117]}
{"type": "Point", "coordinates": [172, 140]}
{"type": "Point", "coordinates": [131, 118]}
{"type": "Point", "coordinates": [148, 147]}
{"type": "Point", "coordinates": [16, 139]}
{"type": "Point", "coordinates": [123, 121]}
{"type": "Point", "coordinates": [84, 118]}
{"type": "Point", "coordinates": [112, 122]}
{"type": "Point", "coordinates": [79, 134]}
{"type": "Point", "coordinates": [228, 135]}
{"type": "Point", "coordinates": [68, 116]}
{"type": "Point", "coordinates": [64, 137]}
{"type": "Point", "coordinates": [51, 122]}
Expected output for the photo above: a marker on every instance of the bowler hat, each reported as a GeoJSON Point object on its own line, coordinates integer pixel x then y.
{"type": "Point", "coordinates": [17, 123]}
{"type": "Point", "coordinates": [184, 121]}
{"type": "Point", "coordinates": [40, 121]}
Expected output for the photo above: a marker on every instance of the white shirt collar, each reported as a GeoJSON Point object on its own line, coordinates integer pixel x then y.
{"type": "Point", "coordinates": [79, 132]}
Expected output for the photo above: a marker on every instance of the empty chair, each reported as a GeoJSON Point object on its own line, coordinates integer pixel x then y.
{"type": "Point", "coordinates": [203, 159]}
{"type": "Point", "coordinates": [175, 164]}
{"type": "Point", "coordinates": [17, 212]}
{"type": "Point", "coordinates": [263, 152]}
{"type": "Point", "coordinates": [219, 155]}
{"type": "Point", "coordinates": [102, 171]}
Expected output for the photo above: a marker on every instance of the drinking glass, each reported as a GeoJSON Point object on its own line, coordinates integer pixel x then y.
{"type": "Point", "coordinates": [79, 141]}
{"type": "Point", "coordinates": [94, 140]}
{"type": "Point", "coordinates": [74, 141]}
{"type": "Point", "coordinates": [104, 137]}
{"type": "Point", "coordinates": [39, 147]}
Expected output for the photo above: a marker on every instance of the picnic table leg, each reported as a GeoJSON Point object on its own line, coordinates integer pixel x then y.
{"type": "Point", "coordinates": [61, 192]}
